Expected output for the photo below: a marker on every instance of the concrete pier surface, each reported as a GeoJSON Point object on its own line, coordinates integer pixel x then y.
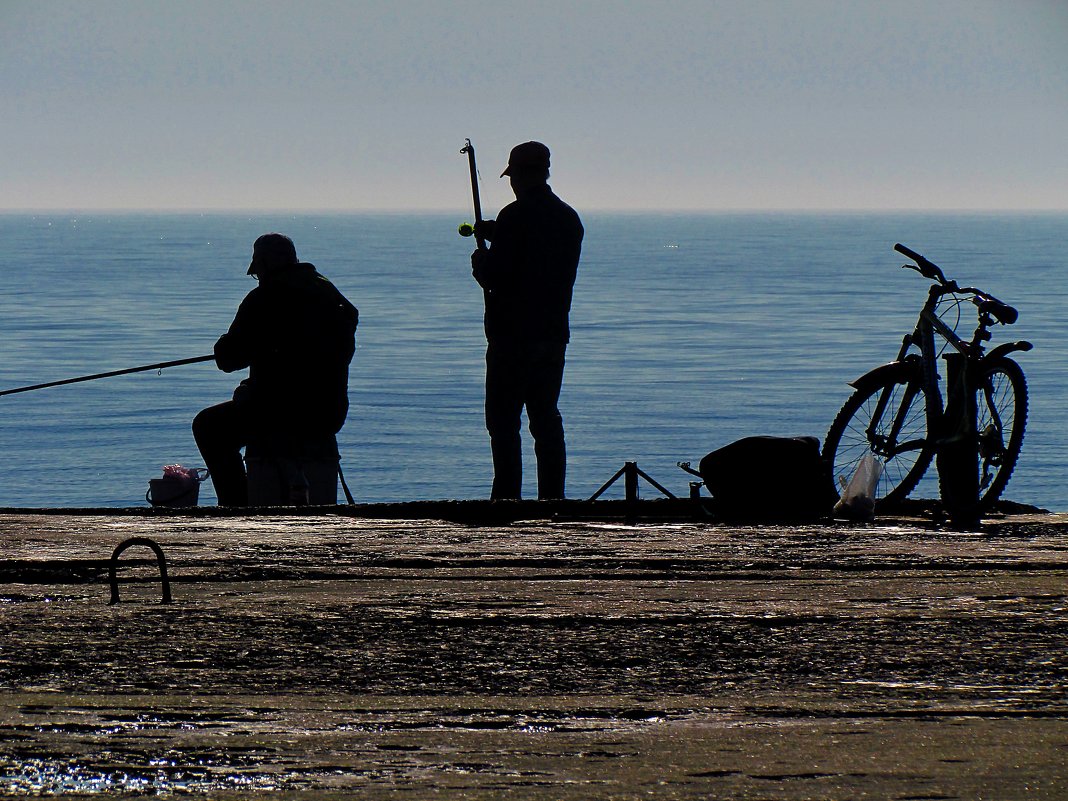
{"type": "Point", "coordinates": [323, 656]}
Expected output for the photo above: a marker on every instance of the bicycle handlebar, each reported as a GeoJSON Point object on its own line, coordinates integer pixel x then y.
{"type": "Point", "coordinates": [912, 254]}
{"type": "Point", "coordinates": [999, 310]}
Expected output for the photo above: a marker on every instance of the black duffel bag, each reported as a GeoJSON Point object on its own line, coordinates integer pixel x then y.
{"type": "Point", "coordinates": [769, 478]}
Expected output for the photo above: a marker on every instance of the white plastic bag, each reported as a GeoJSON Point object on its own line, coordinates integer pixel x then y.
{"type": "Point", "coordinates": [858, 495]}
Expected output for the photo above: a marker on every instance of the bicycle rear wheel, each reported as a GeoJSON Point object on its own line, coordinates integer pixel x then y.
{"type": "Point", "coordinates": [888, 420]}
{"type": "Point", "coordinates": [1001, 405]}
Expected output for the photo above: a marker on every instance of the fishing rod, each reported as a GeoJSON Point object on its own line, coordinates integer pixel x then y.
{"type": "Point", "coordinates": [143, 368]}
{"type": "Point", "coordinates": [466, 229]}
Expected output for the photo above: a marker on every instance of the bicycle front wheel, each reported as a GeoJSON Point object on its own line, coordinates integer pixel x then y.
{"type": "Point", "coordinates": [1001, 416]}
{"type": "Point", "coordinates": [889, 421]}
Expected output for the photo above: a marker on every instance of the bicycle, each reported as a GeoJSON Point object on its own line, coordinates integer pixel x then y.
{"type": "Point", "coordinates": [896, 412]}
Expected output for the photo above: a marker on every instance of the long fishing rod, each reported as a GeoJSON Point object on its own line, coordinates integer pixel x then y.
{"type": "Point", "coordinates": [143, 368]}
{"type": "Point", "coordinates": [466, 229]}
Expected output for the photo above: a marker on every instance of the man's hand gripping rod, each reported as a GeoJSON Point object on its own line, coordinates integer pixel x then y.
{"type": "Point", "coordinates": [466, 229]}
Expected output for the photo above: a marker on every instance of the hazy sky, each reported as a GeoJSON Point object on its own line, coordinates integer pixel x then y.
{"type": "Point", "coordinates": [873, 104]}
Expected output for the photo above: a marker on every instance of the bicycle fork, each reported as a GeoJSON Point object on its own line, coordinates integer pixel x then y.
{"type": "Point", "coordinates": [886, 446]}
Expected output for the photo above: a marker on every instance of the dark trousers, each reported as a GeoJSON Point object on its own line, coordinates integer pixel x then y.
{"type": "Point", "coordinates": [289, 458]}
{"type": "Point", "coordinates": [530, 375]}
{"type": "Point", "coordinates": [221, 432]}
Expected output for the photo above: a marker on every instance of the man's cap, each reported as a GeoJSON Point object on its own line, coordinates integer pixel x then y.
{"type": "Point", "coordinates": [529, 155]}
{"type": "Point", "coordinates": [272, 250]}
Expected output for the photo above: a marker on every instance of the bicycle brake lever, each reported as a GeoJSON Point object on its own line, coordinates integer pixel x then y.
{"type": "Point", "coordinates": [918, 269]}
{"type": "Point", "coordinates": [924, 266]}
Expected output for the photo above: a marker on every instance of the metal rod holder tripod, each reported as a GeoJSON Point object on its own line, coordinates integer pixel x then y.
{"type": "Point", "coordinates": [630, 473]}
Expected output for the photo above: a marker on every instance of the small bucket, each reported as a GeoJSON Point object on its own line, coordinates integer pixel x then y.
{"type": "Point", "coordinates": [178, 487]}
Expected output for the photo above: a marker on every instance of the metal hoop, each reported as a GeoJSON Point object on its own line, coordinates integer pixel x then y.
{"type": "Point", "coordinates": [160, 559]}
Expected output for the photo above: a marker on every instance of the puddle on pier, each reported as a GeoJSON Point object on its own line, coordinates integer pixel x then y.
{"type": "Point", "coordinates": [65, 747]}
{"type": "Point", "coordinates": [44, 778]}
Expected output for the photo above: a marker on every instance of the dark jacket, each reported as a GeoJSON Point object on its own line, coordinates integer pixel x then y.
{"type": "Point", "coordinates": [297, 334]}
{"type": "Point", "coordinates": [529, 271]}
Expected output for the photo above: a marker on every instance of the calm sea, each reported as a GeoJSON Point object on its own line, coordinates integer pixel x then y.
{"type": "Point", "coordinates": [689, 331]}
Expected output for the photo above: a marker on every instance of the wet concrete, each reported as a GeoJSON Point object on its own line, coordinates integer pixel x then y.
{"type": "Point", "coordinates": [321, 655]}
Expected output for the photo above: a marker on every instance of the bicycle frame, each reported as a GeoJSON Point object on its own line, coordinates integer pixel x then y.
{"type": "Point", "coordinates": [925, 364]}
{"type": "Point", "coordinates": [919, 372]}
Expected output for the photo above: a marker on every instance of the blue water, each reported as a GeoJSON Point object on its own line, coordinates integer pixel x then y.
{"type": "Point", "coordinates": [689, 331]}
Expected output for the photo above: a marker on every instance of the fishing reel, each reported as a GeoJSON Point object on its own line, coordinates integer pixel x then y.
{"type": "Point", "coordinates": [466, 229]}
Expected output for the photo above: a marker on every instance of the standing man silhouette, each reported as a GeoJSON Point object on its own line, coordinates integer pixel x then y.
{"type": "Point", "coordinates": [527, 276]}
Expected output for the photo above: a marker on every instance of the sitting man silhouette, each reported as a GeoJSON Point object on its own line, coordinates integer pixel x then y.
{"type": "Point", "coordinates": [296, 334]}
